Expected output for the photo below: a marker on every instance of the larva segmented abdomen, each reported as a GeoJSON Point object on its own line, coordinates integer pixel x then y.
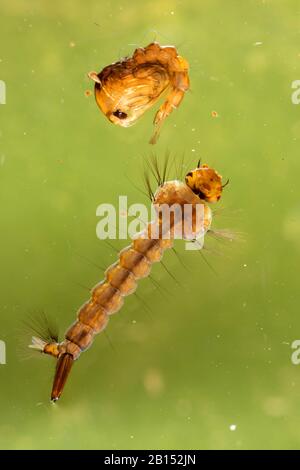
{"type": "Point", "coordinates": [121, 278]}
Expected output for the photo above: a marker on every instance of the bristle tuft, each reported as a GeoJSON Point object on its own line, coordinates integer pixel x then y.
{"type": "Point", "coordinates": [37, 343]}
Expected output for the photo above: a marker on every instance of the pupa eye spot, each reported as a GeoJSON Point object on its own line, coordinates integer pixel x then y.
{"type": "Point", "coordinates": [119, 114]}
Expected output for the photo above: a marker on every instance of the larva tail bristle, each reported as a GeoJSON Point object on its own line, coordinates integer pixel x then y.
{"type": "Point", "coordinates": [37, 343]}
{"type": "Point", "coordinates": [63, 367]}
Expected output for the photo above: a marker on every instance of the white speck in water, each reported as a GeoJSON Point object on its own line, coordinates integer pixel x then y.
{"type": "Point", "coordinates": [232, 427]}
{"type": "Point", "coordinates": [193, 150]}
{"type": "Point", "coordinates": [172, 12]}
{"type": "Point", "coordinates": [131, 437]}
{"type": "Point", "coordinates": [257, 43]}
{"type": "Point", "coordinates": [245, 265]}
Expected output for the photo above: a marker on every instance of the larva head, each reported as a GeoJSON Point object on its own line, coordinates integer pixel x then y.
{"type": "Point", "coordinates": [205, 182]}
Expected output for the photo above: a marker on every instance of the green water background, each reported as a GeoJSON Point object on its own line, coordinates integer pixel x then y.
{"type": "Point", "coordinates": [217, 352]}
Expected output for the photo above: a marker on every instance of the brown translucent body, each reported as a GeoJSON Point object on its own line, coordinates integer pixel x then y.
{"type": "Point", "coordinates": [125, 90]}
{"type": "Point", "coordinates": [133, 264]}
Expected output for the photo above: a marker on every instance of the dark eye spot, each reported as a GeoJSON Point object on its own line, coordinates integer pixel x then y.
{"type": "Point", "coordinates": [119, 114]}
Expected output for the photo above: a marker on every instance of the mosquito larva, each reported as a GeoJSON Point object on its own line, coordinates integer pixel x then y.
{"type": "Point", "coordinates": [201, 186]}
{"type": "Point", "coordinates": [126, 89]}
